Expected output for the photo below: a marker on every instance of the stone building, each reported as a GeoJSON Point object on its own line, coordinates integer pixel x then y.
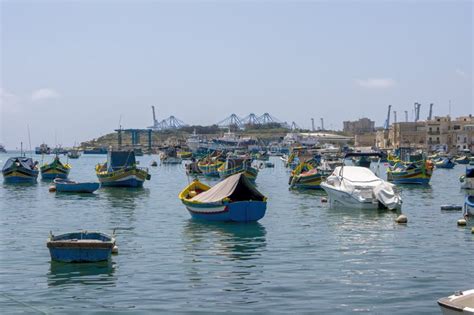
{"type": "Point", "coordinates": [358, 127]}
{"type": "Point", "coordinates": [408, 134]}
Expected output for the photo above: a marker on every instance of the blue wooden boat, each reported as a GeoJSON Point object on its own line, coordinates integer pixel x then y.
{"type": "Point", "coordinates": [20, 170]}
{"type": "Point", "coordinates": [445, 163]}
{"type": "Point", "coordinates": [81, 246]}
{"type": "Point", "coordinates": [235, 165]}
{"type": "Point", "coordinates": [121, 170]}
{"type": "Point", "coordinates": [233, 199]}
{"type": "Point", "coordinates": [63, 185]}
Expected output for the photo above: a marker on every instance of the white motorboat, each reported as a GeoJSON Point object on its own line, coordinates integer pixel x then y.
{"type": "Point", "coordinates": [359, 187]}
{"type": "Point", "coordinates": [461, 302]}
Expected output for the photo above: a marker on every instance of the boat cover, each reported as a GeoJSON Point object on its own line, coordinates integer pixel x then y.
{"type": "Point", "coordinates": [120, 159]}
{"type": "Point", "coordinates": [24, 162]}
{"type": "Point", "coordinates": [236, 187]}
{"type": "Point", "coordinates": [355, 178]}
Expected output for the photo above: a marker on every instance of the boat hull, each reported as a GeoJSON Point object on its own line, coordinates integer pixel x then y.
{"type": "Point", "coordinates": [343, 199]}
{"type": "Point", "coordinates": [18, 176]}
{"type": "Point", "coordinates": [80, 255]}
{"type": "Point", "coordinates": [123, 178]}
{"type": "Point", "coordinates": [77, 188]}
{"type": "Point", "coordinates": [52, 174]}
{"type": "Point", "coordinates": [306, 182]}
{"type": "Point", "coordinates": [249, 172]}
{"type": "Point", "coordinates": [417, 177]}
{"type": "Point", "coordinates": [210, 170]}
{"type": "Point", "coordinates": [458, 304]}
{"type": "Point", "coordinates": [241, 211]}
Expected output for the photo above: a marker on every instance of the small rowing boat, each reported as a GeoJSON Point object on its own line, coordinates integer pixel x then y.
{"type": "Point", "coordinates": [63, 185]}
{"type": "Point", "coordinates": [81, 246]}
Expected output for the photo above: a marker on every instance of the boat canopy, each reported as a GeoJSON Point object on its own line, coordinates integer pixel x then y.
{"type": "Point", "coordinates": [120, 159]}
{"type": "Point", "coordinates": [356, 174]}
{"type": "Point", "coordinates": [236, 187]}
{"type": "Point", "coordinates": [25, 162]}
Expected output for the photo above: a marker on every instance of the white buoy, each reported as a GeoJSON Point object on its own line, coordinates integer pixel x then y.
{"type": "Point", "coordinates": [472, 230]}
{"type": "Point", "coordinates": [115, 249]}
{"type": "Point", "coordinates": [461, 222]}
{"type": "Point", "coordinates": [324, 199]}
{"type": "Point", "coordinates": [401, 219]}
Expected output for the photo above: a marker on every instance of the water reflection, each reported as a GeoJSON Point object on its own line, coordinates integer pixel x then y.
{"type": "Point", "coordinates": [124, 197]}
{"type": "Point", "coordinates": [100, 273]}
{"type": "Point", "coordinates": [233, 240]}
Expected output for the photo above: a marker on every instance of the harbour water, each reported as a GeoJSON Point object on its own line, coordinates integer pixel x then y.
{"type": "Point", "coordinates": [302, 257]}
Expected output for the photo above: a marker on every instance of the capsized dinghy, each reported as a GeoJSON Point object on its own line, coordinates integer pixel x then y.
{"type": "Point", "coordinates": [233, 199]}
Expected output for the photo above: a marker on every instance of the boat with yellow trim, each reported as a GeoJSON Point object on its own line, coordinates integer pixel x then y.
{"type": "Point", "coordinates": [121, 170]}
{"type": "Point", "coordinates": [419, 172]}
{"type": "Point", "coordinates": [185, 155]}
{"type": "Point", "coordinates": [233, 199]}
{"type": "Point", "coordinates": [306, 176]}
{"type": "Point", "coordinates": [20, 170]}
{"type": "Point", "coordinates": [234, 165]}
{"type": "Point", "coordinates": [55, 169]}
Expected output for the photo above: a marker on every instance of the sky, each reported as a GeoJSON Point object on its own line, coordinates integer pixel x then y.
{"type": "Point", "coordinates": [71, 71]}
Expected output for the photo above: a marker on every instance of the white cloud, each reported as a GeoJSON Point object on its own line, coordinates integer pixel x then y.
{"type": "Point", "coordinates": [461, 73]}
{"type": "Point", "coordinates": [9, 102]}
{"type": "Point", "coordinates": [376, 83]}
{"type": "Point", "coordinates": [43, 94]}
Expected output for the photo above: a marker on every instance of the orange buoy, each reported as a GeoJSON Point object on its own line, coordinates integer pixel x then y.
{"type": "Point", "coordinates": [52, 188]}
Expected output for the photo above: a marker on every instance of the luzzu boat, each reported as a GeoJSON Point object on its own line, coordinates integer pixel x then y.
{"type": "Point", "coordinates": [237, 165]}
{"type": "Point", "coordinates": [121, 170]}
{"type": "Point", "coordinates": [411, 173]}
{"type": "Point", "coordinates": [185, 155]}
{"type": "Point", "coordinates": [306, 176]}
{"type": "Point", "coordinates": [233, 199]}
{"type": "Point", "coordinates": [55, 169]}
{"type": "Point", "coordinates": [20, 170]}
{"type": "Point", "coordinates": [209, 165]}
{"type": "Point", "coordinates": [81, 246]}
{"type": "Point", "coordinates": [462, 160]}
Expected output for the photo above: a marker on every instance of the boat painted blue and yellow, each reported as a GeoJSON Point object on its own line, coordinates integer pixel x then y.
{"type": "Point", "coordinates": [20, 170]}
{"type": "Point", "coordinates": [55, 169]}
{"type": "Point", "coordinates": [418, 173]}
{"type": "Point", "coordinates": [238, 165]}
{"type": "Point", "coordinates": [233, 199]}
{"type": "Point", "coordinates": [121, 170]}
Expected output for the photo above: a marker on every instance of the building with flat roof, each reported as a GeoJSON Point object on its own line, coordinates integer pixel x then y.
{"type": "Point", "coordinates": [361, 126]}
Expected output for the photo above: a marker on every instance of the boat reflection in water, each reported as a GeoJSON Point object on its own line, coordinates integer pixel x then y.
{"type": "Point", "coordinates": [235, 241]}
{"type": "Point", "coordinates": [125, 197]}
{"type": "Point", "coordinates": [224, 256]}
{"type": "Point", "coordinates": [99, 273]}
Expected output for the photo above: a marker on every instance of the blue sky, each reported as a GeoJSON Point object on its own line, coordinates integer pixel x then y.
{"type": "Point", "coordinates": [69, 70]}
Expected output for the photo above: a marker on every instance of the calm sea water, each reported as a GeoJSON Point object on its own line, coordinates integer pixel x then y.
{"type": "Point", "coordinates": [302, 257]}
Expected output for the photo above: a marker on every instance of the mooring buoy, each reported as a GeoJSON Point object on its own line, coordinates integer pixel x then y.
{"type": "Point", "coordinates": [115, 249]}
{"type": "Point", "coordinates": [324, 199]}
{"type": "Point", "coordinates": [461, 222]}
{"type": "Point", "coordinates": [401, 219]}
{"type": "Point", "coordinates": [52, 188]}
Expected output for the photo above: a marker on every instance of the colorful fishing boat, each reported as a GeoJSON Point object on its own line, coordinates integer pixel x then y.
{"type": "Point", "coordinates": [467, 180]}
{"type": "Point", "coordinates": [121, 170]}
{"type": "Point", "coordinates": [306, 176]}
{"type": "Point", "coordinates": [185, 155]}
{"type": "Point", "coordinates": [235, 165]}
{"type": "Point", "coordinates": [411, 173]}
{"type": "Point", "coordinates": [81, 246]}
{"type": "Point", "coordinates": [170, 156]}
{"type": "Point", "coordinates": [55, 169]}
{"type": "Point", "coordinates": [445, 163]}
{"type": "Point", "coordinates": [233, 199]}
{"type": "Point", "coordinates": [64, 185]}
{"type": "Point", "coordinates": [209, 166]}
{"type": "Point", "coordinates": [20, 170]}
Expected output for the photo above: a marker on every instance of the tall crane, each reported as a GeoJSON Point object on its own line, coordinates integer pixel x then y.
{"type": "Point", "coordinates": [155, 122]}
{"type": "Point", "coordinates": [417, 111]}
{"type": "Point", "coordinates": [406, 116]}
{"type": "Point", "coordinates": [312, 124]}
{"type": "Point", "coordinates": [394, 116]}
{"type": "Point", "coordinates": [431, 111]}
{"type": "Point", "coordinates": [322, 123]}
{"type": "Point", "coordinates": [387, 121]}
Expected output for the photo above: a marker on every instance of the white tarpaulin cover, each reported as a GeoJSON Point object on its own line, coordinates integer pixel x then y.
{"type": "Point", "coordinates": [235, 187]}
{"type": "Point", "coordinates": [357, 180]}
